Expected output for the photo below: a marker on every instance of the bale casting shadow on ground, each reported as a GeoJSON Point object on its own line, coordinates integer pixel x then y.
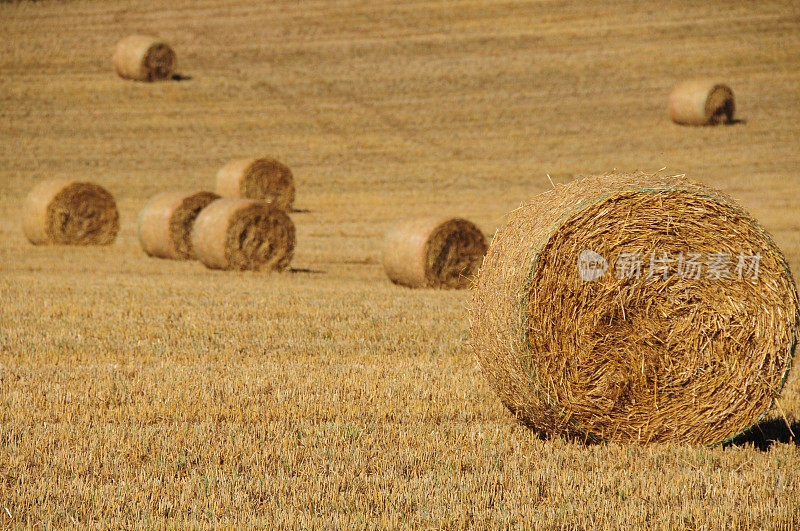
{"type": "Point", "coordinates": [763, 434]}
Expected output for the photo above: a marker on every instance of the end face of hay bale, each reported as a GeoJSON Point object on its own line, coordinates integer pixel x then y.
{"type": "Point", "coordinates": [434, 253]}
{"type": "Point", "coordinates": [263, 179]}
{"type": "Point", "coordinates": [635, 308]}
{"type": "Point", "coordinates": [144, 58]}
{"type": "Point", "coordinates": [242, 234]}
{"type": "Point", "coordinates": [701, 102]}
{"type": "Point", "coordinates": [166, 222]}
{"type": "Point", "coordinates": [70, 213]}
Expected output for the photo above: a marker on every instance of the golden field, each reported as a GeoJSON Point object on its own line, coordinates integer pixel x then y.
{"type": "Point", "coordinates": [145, 392]}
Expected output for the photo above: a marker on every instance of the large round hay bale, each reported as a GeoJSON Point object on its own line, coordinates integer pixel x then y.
{"type": "Point", "coordinates": [263, 179]}
{"type": "Point", "coordinates": [243, 234]}
{"type": "Point", "coordinates": [165, 223]}
{"type": "Point", "coordinates": [635, 308]}
{"type": "Point", "coordinates": [70, 213]}
{"type": "Point", "coordinates": [701, 102]}
{"type": "Point", "coordinates": [144, 58]}
{"type": "Point", "coordinates": [433, 252]}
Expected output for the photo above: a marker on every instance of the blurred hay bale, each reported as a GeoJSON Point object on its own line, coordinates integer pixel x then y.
{"type": "Point", "coordinates": [575, 342]}
{"type": "Point", "coordinates": [433, 252]}
{"type": "Point", "coordinates": [165, 223]}
{"type": "Point", "coordinates": [70, 213]}
{"type": "Point", "coordinates": [263, 179]}
{"type": "Point", "coordinates": [701, 102]}
{"type": "Point", "coordinates": [144, 58]}
{"type": "Point", "coordinates": [243, 234]}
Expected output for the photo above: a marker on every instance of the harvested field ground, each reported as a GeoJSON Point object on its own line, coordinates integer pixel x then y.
{"type": "Point", "coordinates": [142, 391]}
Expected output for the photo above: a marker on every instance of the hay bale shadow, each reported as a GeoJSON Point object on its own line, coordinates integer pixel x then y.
{"type": "Point", "coordinates": [180, 77]}
{"type": "Point", "coordinates": [306, 271]}
{"type": "Point", "coordinates": [767, 432]}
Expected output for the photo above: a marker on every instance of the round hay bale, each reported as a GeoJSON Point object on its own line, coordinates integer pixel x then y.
{"type": "Point", "coordinates": [434, 252]}
{"type": "Point", "coordinates": [701, 102]}
{"type": "Point", "coordinates": [243, 234]}
{"type": "Point", "coordinates": [165, 223]}
{"type": "Point", "coordinates": [635, 308]}
{"type": "Point", "coordinates": [70, 213]}
{"type": "Point", "coordinates": [263, 179]}
{"type": "Point", "coordinates": [144, 58]}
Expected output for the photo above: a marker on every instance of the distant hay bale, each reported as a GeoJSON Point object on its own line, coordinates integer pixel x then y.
{"type": "Point", "coordinates": [243, 234]}
{"type": "Point", "coordinates": [144, 58]}
{"type": "Point", "coordinates": [635, 308]}
{"type": "Point", "coordinates": [70, 213]}
{"type": "Point", "coordinates": [434, 252]}
{"type": "Point", "coordinates": [165, 223]}
{"type": "Point", "coordinates": [701, 102]}
{"type": "Point", "coordinates": [263, 179]}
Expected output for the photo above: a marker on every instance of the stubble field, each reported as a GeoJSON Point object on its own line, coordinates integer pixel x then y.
{"type": "Point", "coordinates": [138, 391]}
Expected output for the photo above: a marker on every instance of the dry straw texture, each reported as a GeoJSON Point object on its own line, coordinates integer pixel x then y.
{"type": "Point", "coordinates": [243, 234]}
{"type": "Point", "coordinates": [434, 252]}
{"type": "Point", "coordinates": [165, 223]}
{"type": "Point", "coordinates": [263, 179]}
{"type": "Point", "coordinates": [71, 213]}
{"type": "Point", "coordinates": [655, 358]}
{"type": "Point", "coordinates": [701, 102]}
{"type": "Point", "coordinates": [144, 58]}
